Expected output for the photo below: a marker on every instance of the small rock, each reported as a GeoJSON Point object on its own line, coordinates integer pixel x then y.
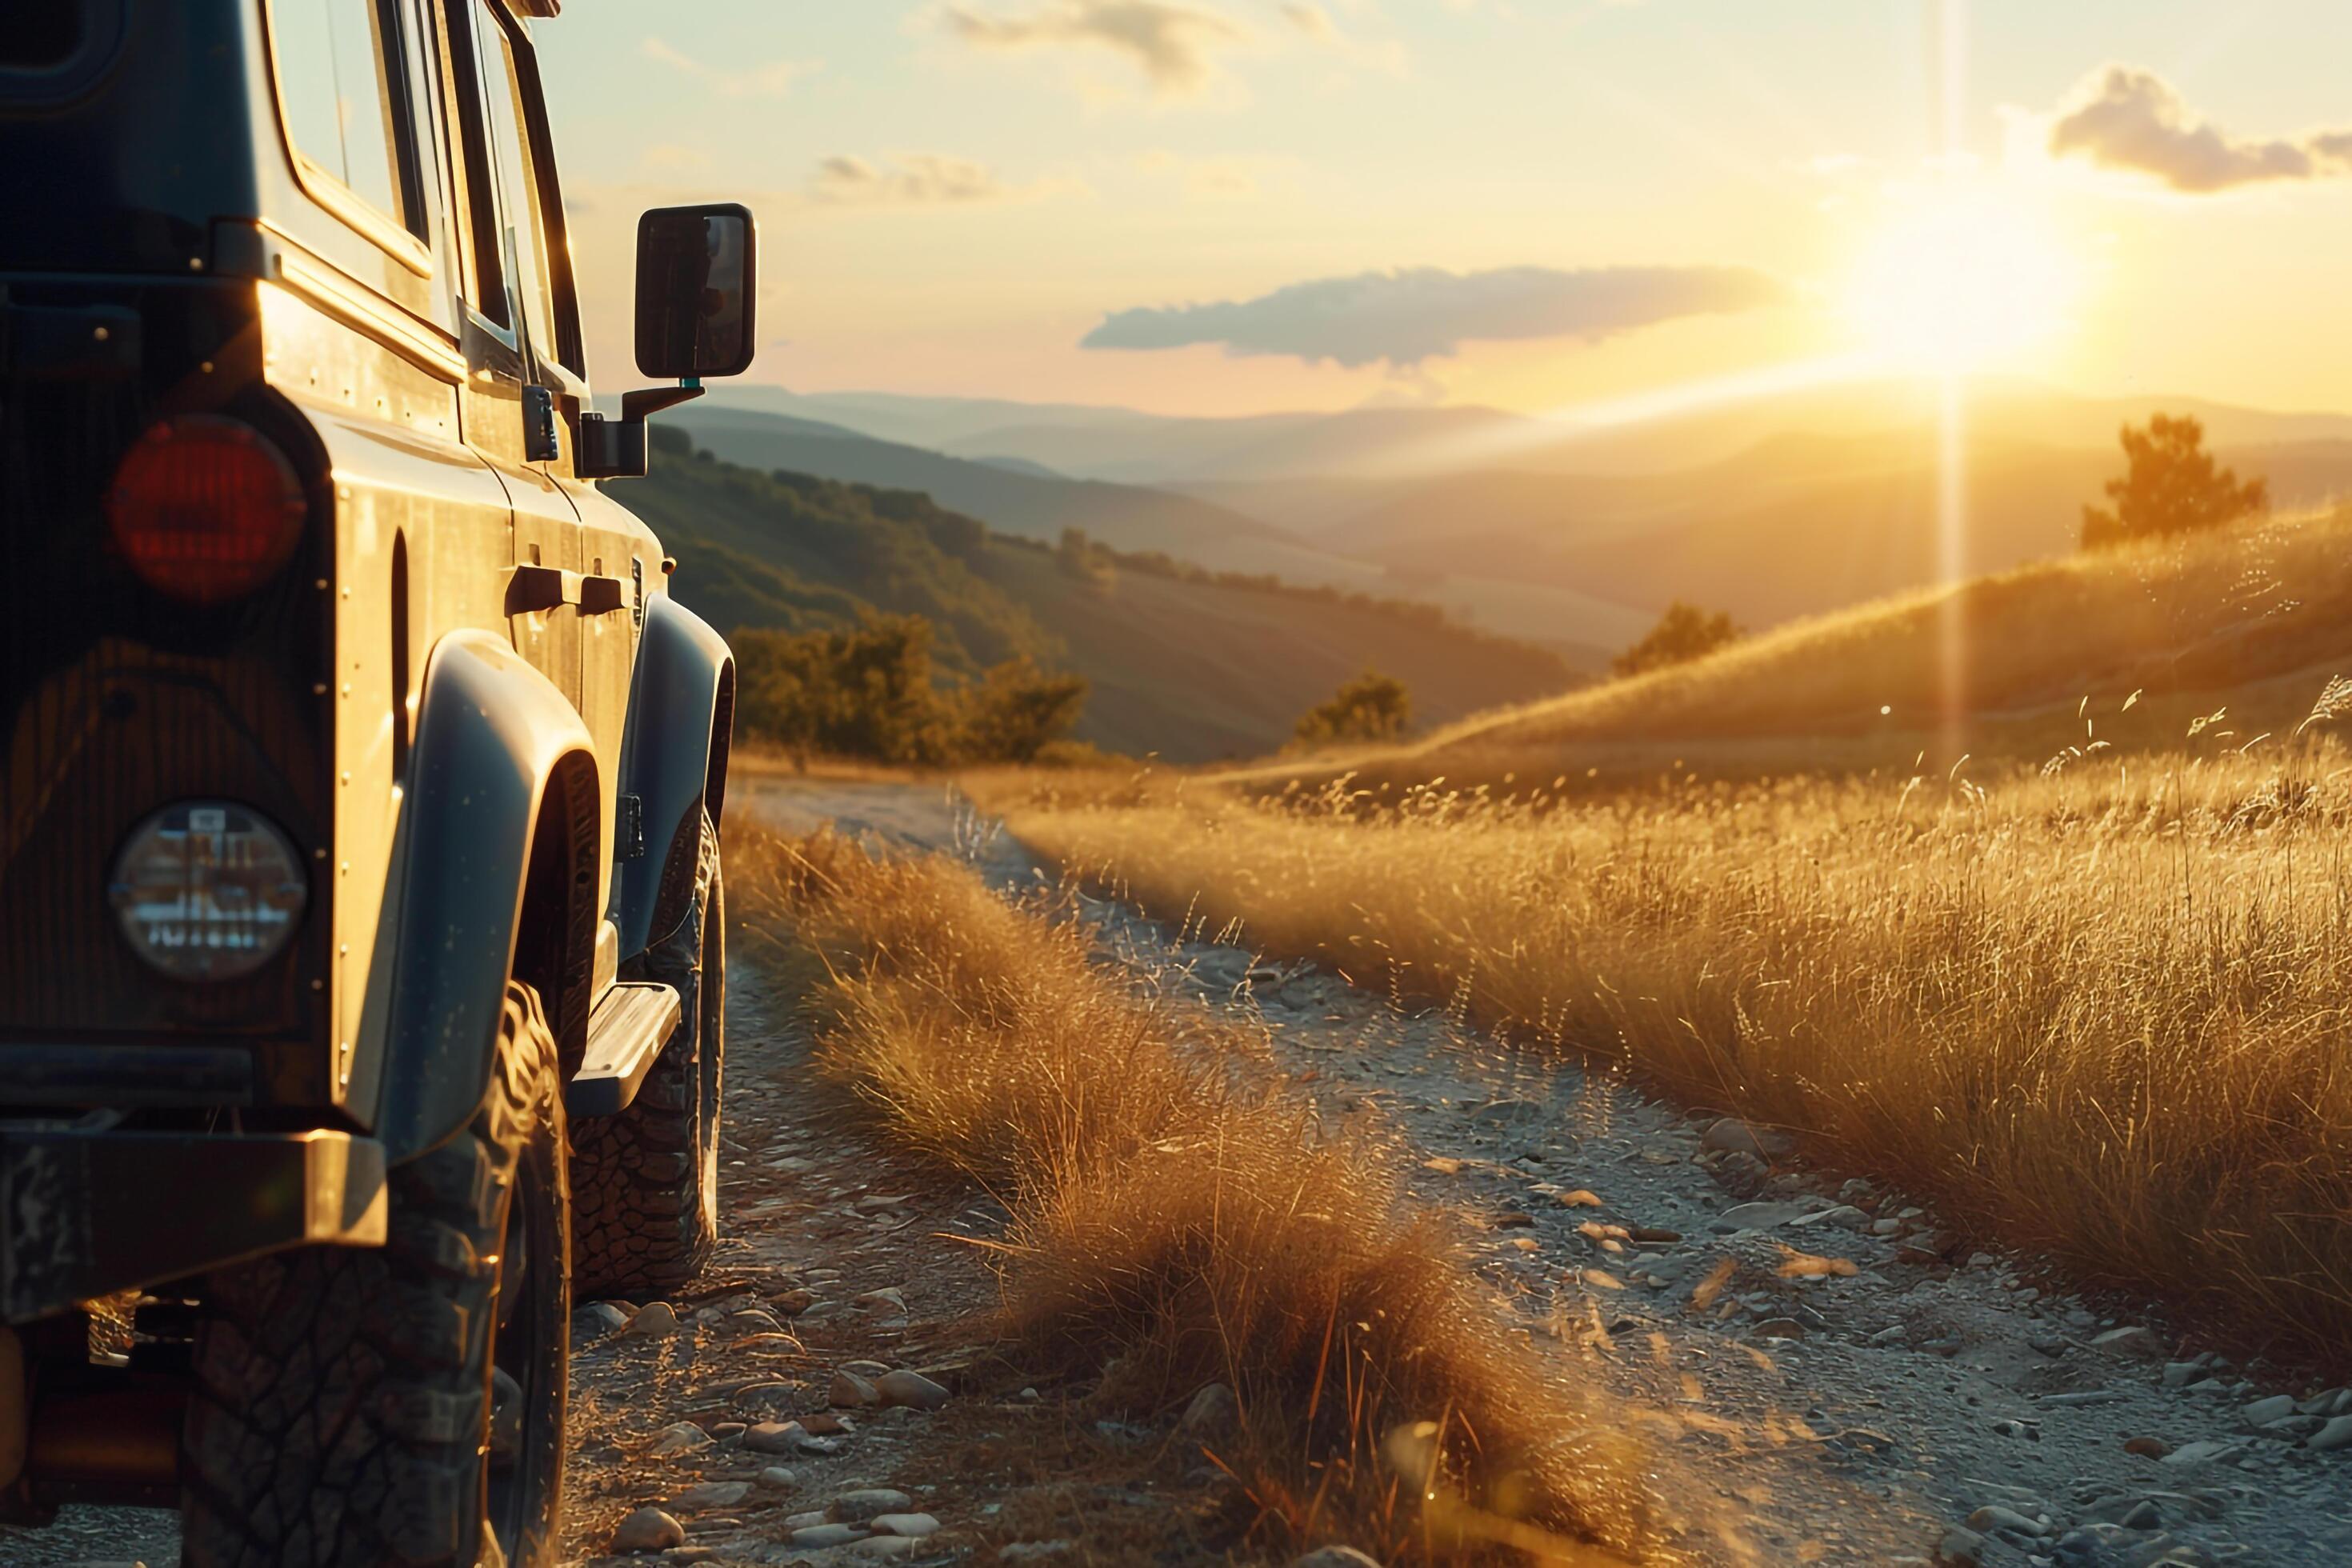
{"type": "Point", "coordinates": [1334, 1557]}
{"type": "Point", "coordinates": [647, 1530]}
{"type": "Point", "coordinates": [910, 1389]}
{"type": "Point", "coordinates": [777, 1478]}
{"type": "Point", "coordinates": [2200, 1453]}
{"type": "Point", "coordinates": [1733, 1136]}
{"type": "Point", "coordinates": [851, 1392]}
{"type": "Point", "coordinates": [714, 1494]}
{"type": "Point", "coordinates": [2181, 1373]}
{"type": "Point", "coordinates": [1210, 1413]}
{"type": "Point", "coordinates": [1993, 1516]}
{"type": "Point", "coordinates": [886, 1303]}
{"type": "Point", "coordinates": [2337, 1434]}
{"type": "Point", "coordinates": [680, 1437]}
{"type": "Point", "coordinates": [598, 1319]}
{"type": "Point", "coordinates": [913, 1525]}
{"type": "Point", "coordinates": [654, 1319]}
{"type": "Point", "coordinates": [1581, 1198]}
{"type": "Point", "coordinates": [2263, 1411]}
{"type": "Point", "coordinates": [2131, 1339]}
{"type": "Point", "coordinates": [2148, 1447]}
{"type": "Point", "coordinates": [1759, 1217]}
{"type": "Point", "coordinates": [1960, 1548]}
{"type": "Point", "coordinates": [818, 1537]}
{"type": "Point", "coordinates": [1513, 1219]}
{"type": "Point", "coordinates": [825, 1423]}
{"type": "Point", "coordinates": [2142, 1515]}
{"type": "Point", "coordinates": [869, 1503]}
{"type": "Point", "coordinates": [1778, 1329]}
{"type": "Point", "coordinates": [793, 1303]}
{"type": "Point", "coordinates": [774, 1437]}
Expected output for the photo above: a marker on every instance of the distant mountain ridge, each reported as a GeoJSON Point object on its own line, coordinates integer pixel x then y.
{"type": "Point", "coordinates": [1190, 670]}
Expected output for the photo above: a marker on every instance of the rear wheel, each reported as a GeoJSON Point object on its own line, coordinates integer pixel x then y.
{"type": "Point", "coordinates": [645, 1184]}
{"type": "Point", "coordinates": [402, 1405]}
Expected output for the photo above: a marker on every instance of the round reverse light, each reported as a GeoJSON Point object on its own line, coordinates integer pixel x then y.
{"type": "Point", "coordinates": [208, 889]}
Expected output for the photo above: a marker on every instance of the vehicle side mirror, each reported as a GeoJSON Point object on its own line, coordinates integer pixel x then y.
{"type": "Point", "coordinates": [697, 292]}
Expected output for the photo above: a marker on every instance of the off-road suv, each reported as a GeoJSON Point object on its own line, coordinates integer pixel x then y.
{"type": "Point", "coordinates": [360, 919]}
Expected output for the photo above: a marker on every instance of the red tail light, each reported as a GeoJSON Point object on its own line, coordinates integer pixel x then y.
{"type": "Point", "coordinates": [204, 508]}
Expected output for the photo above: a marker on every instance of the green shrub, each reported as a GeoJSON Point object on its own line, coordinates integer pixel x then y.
{"type": "Point", "coordinates": [1371, 707]}
{"type": "Point", "coordinates": [1683, 633]}
{"type": "Point", "coordinates": [2170, 486]}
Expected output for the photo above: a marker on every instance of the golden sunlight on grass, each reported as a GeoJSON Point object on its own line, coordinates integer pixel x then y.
{"type": "Point", "coordinates": [2098, 1013]}
{"type": "Point", "coordinates": [2246, 619]}
{"type": "Point", "coordinates": [1176, 1208]}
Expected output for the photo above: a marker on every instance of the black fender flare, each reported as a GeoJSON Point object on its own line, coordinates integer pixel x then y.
{"type": "Point", "coordinates": [497, 746]}
{"type": "Point", "coordinates": [673, 754]}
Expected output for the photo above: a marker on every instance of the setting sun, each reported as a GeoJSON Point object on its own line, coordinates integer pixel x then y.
{"type": "Point", "coordinates": [1960, 285]}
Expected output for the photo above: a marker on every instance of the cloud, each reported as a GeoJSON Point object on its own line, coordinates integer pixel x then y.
{"type": "Point", "coordinates": [1173, 42]}
{"type": "Point", "coordinates": [1411, 315]}
{"type": "Point", "coordinates": [768, 80]}
{"type": "Point", "coordinates": [918, 179]}
{"type": "Point", "coordinates": [1317, 25]}
{"type": "Point", "coordinates": [2122, 117]}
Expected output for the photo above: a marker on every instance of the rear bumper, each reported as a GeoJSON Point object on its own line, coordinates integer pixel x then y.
{"type": "Point", "coordinates": [87, 1213]}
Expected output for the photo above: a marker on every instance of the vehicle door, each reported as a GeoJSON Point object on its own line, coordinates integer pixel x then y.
{"type": "Point", "coordinates": [509, 336]}
{"type": "Point", "coordinates": [618, 550]}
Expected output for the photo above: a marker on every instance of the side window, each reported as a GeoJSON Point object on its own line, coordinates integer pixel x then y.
{"type": "Point", "coordinates": [520, 230]}
{"type": "Point", "coordinates": [342, 82]}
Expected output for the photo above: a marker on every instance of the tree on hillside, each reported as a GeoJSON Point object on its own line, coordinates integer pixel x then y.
{"type": "Point", "coordinates": [870, 693]}
{"type": "Point", "coordinates": [1371, 707]}
{"type": "Point", "coordinates": [1015, 709]}
{"type": "Point", "coordinates": [2170, 486]}
{"type": "Point", "coordinates": [1683, 633]}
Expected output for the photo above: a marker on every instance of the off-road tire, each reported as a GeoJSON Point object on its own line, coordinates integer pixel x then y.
{"type": "Point", "coordinates": [342, 1409]}
{"type": "Point", "coordinates": [645, 1184]}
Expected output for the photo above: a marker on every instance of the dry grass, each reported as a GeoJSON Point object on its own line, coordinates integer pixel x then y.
{"type": "Point", "coordinates": [1178, 1212]}
{"type": "Point", "coordinates": [2098, 1011]}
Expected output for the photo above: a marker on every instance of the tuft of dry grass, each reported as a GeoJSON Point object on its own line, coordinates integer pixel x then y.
{"type": "Point", "coordinates": [1180, 1214]}
{"type": "Point", "coordinates": [2100, 1010]}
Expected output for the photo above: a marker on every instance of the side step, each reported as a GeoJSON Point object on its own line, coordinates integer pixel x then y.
{"type": "Point", "coordinates": [625, 1032]}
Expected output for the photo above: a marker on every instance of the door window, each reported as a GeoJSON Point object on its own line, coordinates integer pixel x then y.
{"type": "Point", "coordinates": [343, 84]}
{"type": "Point", "coordinates": [524, 236]}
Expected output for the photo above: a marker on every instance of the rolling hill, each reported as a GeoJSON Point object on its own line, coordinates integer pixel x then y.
{"type": "Point", "coordinates": [2127, 647]}
{"type": "Point", "coordinates": [1190, 668]}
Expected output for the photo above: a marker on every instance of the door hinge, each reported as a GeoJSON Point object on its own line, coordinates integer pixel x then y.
{"type": "Point", "coordinates": [629, 829]}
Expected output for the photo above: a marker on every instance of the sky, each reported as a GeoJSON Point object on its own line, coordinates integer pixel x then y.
{"type": "Point", "coordinates": [1232, 206]}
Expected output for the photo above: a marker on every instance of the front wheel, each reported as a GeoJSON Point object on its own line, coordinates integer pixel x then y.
{"type": "Point", "coordinates": [404, 1405]}
{"type": "Point", "coordinates": [646, 1182]}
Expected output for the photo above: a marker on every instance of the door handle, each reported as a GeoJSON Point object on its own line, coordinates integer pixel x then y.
{"type": "Point", "coordinates": [534, 589]}
{"type": "Point", "coordinates": [602, 595]}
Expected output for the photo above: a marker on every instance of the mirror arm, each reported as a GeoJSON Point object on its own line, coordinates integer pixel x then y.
{"type": "Point", "coordinates": [615, 449]}
{"type": "Point", "coordinates": [636, 406]}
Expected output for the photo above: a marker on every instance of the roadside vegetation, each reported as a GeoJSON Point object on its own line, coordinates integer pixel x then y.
{"type": "Point", "coordinates": [1182, 1219]}
{"type": "Point", "coordinates": [869, 694]}
{"type": "Point", "coordinates": [2095, 1012]}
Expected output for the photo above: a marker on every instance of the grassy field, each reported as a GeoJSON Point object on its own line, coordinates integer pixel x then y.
{"type": "Point", "coordinates": [2089, 997]}
{"type": "Point", "coordinates": [1182, 1216]}
{"type": "Point", "coordinates": [2016, 667]}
